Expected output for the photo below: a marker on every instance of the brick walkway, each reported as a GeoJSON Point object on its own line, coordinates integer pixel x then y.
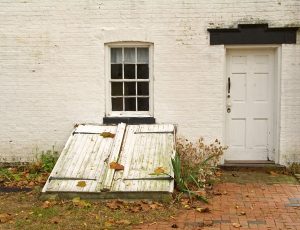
{"type": "Point", "coordinates": [253, 206]}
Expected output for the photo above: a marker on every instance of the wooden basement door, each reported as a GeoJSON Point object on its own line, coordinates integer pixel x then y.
{"type": "Point", "coordinates": [250, 104]}
{"type": "Point", "coordinates": [139, 148]}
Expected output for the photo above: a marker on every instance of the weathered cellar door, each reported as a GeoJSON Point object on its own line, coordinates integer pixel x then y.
{"type": "Point", "coordinates": [84, 164]}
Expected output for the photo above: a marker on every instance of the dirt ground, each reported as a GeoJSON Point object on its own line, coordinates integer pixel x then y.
{"type": "Point", "coordinates": [21, 210]}
{"type": "Point", "coordinates": [230, 203]}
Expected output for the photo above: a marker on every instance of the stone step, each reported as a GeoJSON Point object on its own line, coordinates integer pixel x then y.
{"type": "Point", "coordinates": [253, 166]}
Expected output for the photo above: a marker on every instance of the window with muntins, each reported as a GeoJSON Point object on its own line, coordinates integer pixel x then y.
{"type": "Point", "coordinates": [129, 79]}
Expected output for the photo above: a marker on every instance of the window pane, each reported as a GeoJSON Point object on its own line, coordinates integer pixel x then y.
{"type": "Point", "coordinates": [129, 71]}
{"type": "Point", "coordinates": [143, 55]}
{"type": "Point", "coordinates": [130, 104]}
{"type": "Point", "coordinates": [142, 71]}
{"type": "Point", "coordinates": [116, 55]}
{"type": "Point", "coordinates": [116, 88]}
{"type": "Point", "coordinates": [117, 104]}
{"type": "Point", "coordinates": [129, 88]}
{"type": "Point", "coordinates": [143, 104]}
{"type": "Point", "coordinates": [143, 88]}
{"type": "Point", "coordinates": [129, 55]}
{"type": "Point", "coordinates": [116, 71]}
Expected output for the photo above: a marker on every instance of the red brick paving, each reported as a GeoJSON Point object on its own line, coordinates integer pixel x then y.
{"type": "Point", "coordinates": [266, 207]}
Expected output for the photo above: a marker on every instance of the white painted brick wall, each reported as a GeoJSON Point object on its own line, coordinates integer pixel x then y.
{"type": "Point", "coordinates": [290, 104]}
{"type": "Point", "coordinates": [52, 65]}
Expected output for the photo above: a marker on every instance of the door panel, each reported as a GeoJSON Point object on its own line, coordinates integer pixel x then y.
{"type": "Point", "coordinates": [249, 123]}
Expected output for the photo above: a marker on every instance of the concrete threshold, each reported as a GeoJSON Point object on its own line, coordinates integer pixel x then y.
{"type": "Point", "coordinates": [254, 165]}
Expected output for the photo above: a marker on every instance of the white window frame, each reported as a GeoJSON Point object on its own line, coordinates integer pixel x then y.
{"type": "Point", "coordinates": [109, 112]}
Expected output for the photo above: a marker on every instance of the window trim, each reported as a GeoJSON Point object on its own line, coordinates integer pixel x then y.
{"type": "Point", "coordinates": [108, 109]}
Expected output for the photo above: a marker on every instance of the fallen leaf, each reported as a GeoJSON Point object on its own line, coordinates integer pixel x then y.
{"type": "Point", "coordinates": [46, 204]}
{"type": "Point", "coordinates": [144, 207]}
{"type": "Point", "coordinates": [273, 173]}
{"type": "Point", "coordinates": [81, 184]}
{"type": "Point", "coordinates": [55, 220]}
{"type": "Point", "coordinates": [203, 210]}
{"type": "Point", "coordinates": [76, 199]}
{"type": "Point", "coordinates": [115, 204]}
{"type": "Point", "coordinates": [108, 224]}
{"type": "Point", "coordinates": [201, 192]}
{"type": "Point", "coordinates": [242, 214]}
{"type": "Point", "coordinates": [116, 166]}
{"type": "Point", "coordinates": [123, 222]}
{"type": "Point", "coordinates": [217, 193]}
{"type": "Point", "coordinates": [31, 183]}
{"type": "Point", "coordinates": [155, 205]}
{"type": "Point", "coordinates": [218, 173]}
{"type": "Point", "coordinates": [236, 225]}
{"type": "Point", "coordinates": [107, 135]}
{"type": "Point", "coordinates": [135, 209]}
{"type": "Point", "coordinates": [80, 203]}
{"type": "Point", "coordinates": [174, 226]}
{"type": "Point", "coordinates": [187, 206]}
{"type": "Point", "coordinates": [13, 170]}
{"type": "Point", "coordinates": [158, 171]}
{"type": "Point", "coordinates": [159, 204]}
{"type": "Point", "coordinates": [96, 216]}
{"type": "Point", "coordinates": [5, 217]}
{"type": "Point", "coordinates": [184, 201]}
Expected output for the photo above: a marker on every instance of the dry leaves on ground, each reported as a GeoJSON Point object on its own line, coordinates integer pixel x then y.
{"type": "Point", "coordinates": [81, 203]}
{"type": "Point", "coordinates": [123, 222]}
{"type": "Point", "coordinates": [5, 217]}
{"type": "Point", "coordinates": [22, 179]}
{"type": "Point", "coordinates": [46, 204]}
{"type": "Point", "coordinates": [138, 206]}
{"type": "Point", "coordinates": [115, 204]}
{"type": "Point", "coordinates": [272, 173]}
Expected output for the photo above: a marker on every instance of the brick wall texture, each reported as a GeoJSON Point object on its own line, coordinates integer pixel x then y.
{"type": "Point", "coordinates": [52, 67]}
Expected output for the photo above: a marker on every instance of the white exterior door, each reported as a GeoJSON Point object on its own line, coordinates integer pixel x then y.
{"type": "Point", "coordinates": [250, 102]}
